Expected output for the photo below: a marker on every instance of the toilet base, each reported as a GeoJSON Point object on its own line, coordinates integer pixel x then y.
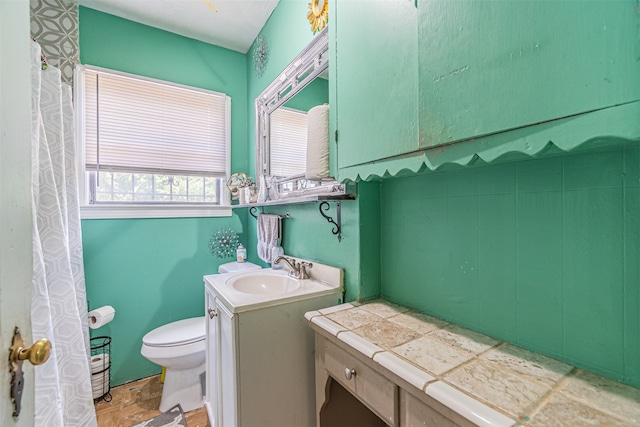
{"type": "Point", "coordinates": [183, 387]}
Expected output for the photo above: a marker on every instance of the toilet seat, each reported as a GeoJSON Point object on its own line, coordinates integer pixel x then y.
{"type": "Point", "coordinates": [179, 333]}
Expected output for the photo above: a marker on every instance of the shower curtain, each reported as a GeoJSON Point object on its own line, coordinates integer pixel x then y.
{"type": "Point", "coordinates": [58, 304]}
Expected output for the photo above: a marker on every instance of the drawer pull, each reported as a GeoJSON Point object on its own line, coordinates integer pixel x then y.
{"type": "Point", "coordinates": [212, 312]}
{"type": "Point", "coordinates": [348, 373]}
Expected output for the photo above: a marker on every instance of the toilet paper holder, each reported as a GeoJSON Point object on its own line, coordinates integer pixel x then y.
{"type": "Point", "coordinates": [101, 316]}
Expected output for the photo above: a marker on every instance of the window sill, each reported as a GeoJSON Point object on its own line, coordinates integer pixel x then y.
{"type": "Point", "coordinates": [153, 211]}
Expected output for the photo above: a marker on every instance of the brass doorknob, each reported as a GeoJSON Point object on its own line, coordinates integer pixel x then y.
{"type": "Point", "coordinates": [37, 354]}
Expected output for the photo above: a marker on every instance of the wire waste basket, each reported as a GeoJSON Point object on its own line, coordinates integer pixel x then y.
{"type": "Point", "coordinates": [101, 368]}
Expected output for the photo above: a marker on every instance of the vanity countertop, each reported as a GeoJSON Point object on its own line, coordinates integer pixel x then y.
{"type": "Point", "coordinates": [487, 381]}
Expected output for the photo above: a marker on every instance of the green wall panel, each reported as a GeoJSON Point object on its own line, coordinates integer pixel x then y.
{"type": "Point", "coordinates": [541, 253]}
{"type": "Point", "coordinates": [315, 93]}
{"type": "Point", "coordinates": [539, 291]}
{"type": "Point", "coordinates": [369, 204]}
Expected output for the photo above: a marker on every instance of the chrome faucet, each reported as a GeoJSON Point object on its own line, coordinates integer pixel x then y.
{"type": "Point", "coordinates": [297, 270]}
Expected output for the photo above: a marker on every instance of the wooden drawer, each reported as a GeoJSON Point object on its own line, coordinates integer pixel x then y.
{"type": "Point", "coordinates": [415, 413]}
{"type": "Point", "coordinates": [371, 388]}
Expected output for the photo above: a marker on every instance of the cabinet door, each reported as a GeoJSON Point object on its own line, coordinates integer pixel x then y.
{"type": "Point", "coordinates": [228, 367]}
{"type": "Point", "coordinates": [491, 66]}
{"type": "Point", "coordinates": [213, 363]}
{"type": "Point", "coordinates": [376, 65]}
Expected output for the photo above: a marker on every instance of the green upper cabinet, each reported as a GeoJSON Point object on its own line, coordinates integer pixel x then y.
{"type": "Point", "coordinates": [408, 76]}
{"type": "Point", "coordinates": [374, 60]}
{"type": "Point", "coordinates": [489, 66]}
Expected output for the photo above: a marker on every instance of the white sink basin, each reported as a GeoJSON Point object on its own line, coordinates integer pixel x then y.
{"type": "Point", "coordinates": [249, 290]}
{"type": "Point", "coordinates": [265, 284]}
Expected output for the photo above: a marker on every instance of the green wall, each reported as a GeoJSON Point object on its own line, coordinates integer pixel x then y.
{"type": "Point", "coordinates": [151, 270]}
{"type": "Point", "coordinates": [315, 93]}
{"type": "Point", "coordinates": [307, 234]}
{"type": "Point", "coordinates": [541, 253]}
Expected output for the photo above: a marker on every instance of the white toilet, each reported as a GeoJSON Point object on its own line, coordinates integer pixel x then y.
{"type": "Point", "coordinates": [180, 347]}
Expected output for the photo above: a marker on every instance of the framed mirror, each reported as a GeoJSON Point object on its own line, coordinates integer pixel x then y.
{"type": "Point", "coordinates": [283, 125]}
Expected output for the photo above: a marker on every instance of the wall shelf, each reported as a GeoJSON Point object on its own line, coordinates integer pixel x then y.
{"type": "Point", "coordinates": [297, 200]}
{"type": "Point", "coordinates": [324, 206]}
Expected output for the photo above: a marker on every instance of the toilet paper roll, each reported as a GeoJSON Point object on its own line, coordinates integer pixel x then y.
{"type": "Point", "coordinates": [101, 316]}
{"type": "Point", "coordinates": [99, 362]}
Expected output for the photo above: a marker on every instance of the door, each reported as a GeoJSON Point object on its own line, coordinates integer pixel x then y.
{"type": "Point", "coordinates": [376, 87]}
{"type": "Point", "coordinates": [213, 360]}
{"type": "Point", "coordinates": [15, 201]}
{"type": "Point", "coordinates": [228, 367]}
{"type": "Point", "coordinates": [221, 364]}
{"type": "Point", "coordinates": [491, 66]}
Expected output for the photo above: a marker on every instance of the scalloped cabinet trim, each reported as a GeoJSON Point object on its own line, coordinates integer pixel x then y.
{"type": "Point", "coordinates": [604, 128]}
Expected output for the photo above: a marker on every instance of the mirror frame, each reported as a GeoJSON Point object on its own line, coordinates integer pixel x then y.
{"type": "Point", "coordinates": [309, 64]}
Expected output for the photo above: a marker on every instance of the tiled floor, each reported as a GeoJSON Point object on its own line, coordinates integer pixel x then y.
{"type": "Point", "coordinates": [138, 401]}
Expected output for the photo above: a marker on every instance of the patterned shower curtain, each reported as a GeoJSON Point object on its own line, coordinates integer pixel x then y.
{"type": "Point", "coordinates": [58, 304]}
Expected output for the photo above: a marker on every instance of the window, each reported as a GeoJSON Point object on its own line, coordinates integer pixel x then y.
{"type": "Point", "coordinates": [288, 143]}
{"type": "Point", "coordinates": [150, 144]}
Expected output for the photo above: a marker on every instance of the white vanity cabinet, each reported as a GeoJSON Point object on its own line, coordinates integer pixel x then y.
{"type": "Point", "coordinates": [260, 356]}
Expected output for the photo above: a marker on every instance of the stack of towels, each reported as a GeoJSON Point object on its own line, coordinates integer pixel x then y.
{"type": "Point", "coordinates": [318, 142]}
{"type": "Point", "coordinates": [269, 237]}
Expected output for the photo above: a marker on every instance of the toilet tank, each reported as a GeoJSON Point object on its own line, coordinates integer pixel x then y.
{"type": "Point", "coordinates": [237, 266]}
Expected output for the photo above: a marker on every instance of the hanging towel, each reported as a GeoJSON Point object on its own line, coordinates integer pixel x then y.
{"type": "Point", "coordinates": [268, 235]}
{"type": "Point", "coordinates": [318, 142]}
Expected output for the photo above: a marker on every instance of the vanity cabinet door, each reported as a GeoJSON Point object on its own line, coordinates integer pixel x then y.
{"type": "Point", "coordinates": [213, 363]}
{"type": "Point", "coordinates": [228, 409]}
{"type": "Point", "coordinates": [376, 83]}
{"type": "Point", "coordinates": [491, 66]}
{"type": "Point", "coordinates": [222, 396]}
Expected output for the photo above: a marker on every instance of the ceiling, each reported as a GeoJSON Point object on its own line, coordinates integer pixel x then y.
{"type": "Point", "coordinates": [234, 26]}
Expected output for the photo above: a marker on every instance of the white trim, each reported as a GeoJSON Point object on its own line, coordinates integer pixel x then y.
{"type": "Point", "coordinates": [151, 79]}
{"type": "Point", "coordinates": [153, 211]}
{"type": "Point", "coordinates": [78, 107]}
{"type": "Point", "coordinates": [104, 211]}
{"type": "Point", "coordinates": [225, 197]}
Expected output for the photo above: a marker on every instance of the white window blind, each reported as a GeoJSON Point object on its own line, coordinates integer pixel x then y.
{"type": "Point", "coordinates": [140, 126]}
{"type": "Point", "coordinates": [288, 142]}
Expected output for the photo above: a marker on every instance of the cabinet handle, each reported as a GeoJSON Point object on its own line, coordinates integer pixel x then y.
{"type": "Point", "coordinates": [212, 313]}
{"type": "Point", "coordinates": [348, 373]}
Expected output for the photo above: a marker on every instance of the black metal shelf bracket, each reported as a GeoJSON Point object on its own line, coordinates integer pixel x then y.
{"type": "Point", "coordinates": [337, 230]}
{"type": "Point", "coordinates": [253, 211]}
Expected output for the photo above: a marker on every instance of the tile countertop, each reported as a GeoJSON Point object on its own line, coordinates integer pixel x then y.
{"type": "Point", "coordinates": [487, 381]}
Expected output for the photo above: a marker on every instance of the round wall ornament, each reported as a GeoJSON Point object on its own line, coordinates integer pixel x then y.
{"type": "Point", "coordinates": [260, 55]}
{"type": "Point", "coordinates": [224, 242]}
{"type": "Point", "coordinates": [318, 14]}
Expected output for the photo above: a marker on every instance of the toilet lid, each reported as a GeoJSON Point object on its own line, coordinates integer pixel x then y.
{"type": "Point", "coordinates": [177, 333]}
